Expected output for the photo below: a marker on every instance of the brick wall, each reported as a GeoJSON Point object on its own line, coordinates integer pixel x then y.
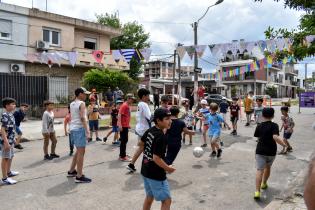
{"type": "Point", "coordinates": [74, 74]}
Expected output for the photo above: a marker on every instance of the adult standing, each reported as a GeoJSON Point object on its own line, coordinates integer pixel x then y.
{"type": "Point", "coordinates": [156, 99]}
{"type": "Point", "coordinates": [79, 132]}
{"type": "Point", "coordinates": [191, 99]}
{"type": "Point", "coordinates": [94, 96]}
{"type": "Point", "coordinates": [201, 92]}
{"type": "Point", "coordinates": [109, 96]}
{"type": "Point", "coordinates": [124, 125]}
{"type": "Point", "coordinates": [118, 94]}
{"type": "Point", "coordinates": [249, 107]}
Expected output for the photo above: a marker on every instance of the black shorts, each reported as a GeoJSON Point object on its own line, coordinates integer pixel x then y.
{"type": "Point", "coordinates": [249, 112]}
{"type": "Point", "coordinates": [93, 124]}
{"type": "Point", "coordinates": [234, 119]}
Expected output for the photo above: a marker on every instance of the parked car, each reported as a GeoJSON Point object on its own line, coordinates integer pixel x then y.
{"type": "Point", "coordinates": [216, 98]}
{"type": "Point", "coordinates": [176, 97]}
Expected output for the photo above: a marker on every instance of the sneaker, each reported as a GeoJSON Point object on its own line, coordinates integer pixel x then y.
{"type": "Point", "coordinates": [13, 173]}
{"type": "Point", "coordinates": [204, 145]}
{"type": "Point", "coordinates": [190, 143]}
{"type": "Point", "coordinates": [47, 157]}
{"type": "Point", "coordinates": [104, 139]}
{"type": "Point", "coordinates": [257, 195]}
{"type": "Point", "coordinates": [131, 167]}
{"type": "Point", "coordinates": [247, 124]}
{"type": "Point", "coordinates": [221, 143]}
{"type": "Point", "coordinates": [9, 181]}
{"type": "Point", "coordinates": [219, 153]}
{"type": "Point", "coordinates": [283, 152]}
{"type": "Point", "coordinates": [98, 139]}
{"type": "Point", "coordinates": [235, 133]}
{"type": "Point", "coordinates": [54, 156]}
{"type": "Point", "coordinates": [184, 141]}
{"type": "Point", "coordinates": [18, 146]}
{"type": "Point", "coordinates": [90, 139]}
{"type": "Point", "coordinates": [213, 154]}
{"type": "Point", "coordinates": [82, 179]}
{"type": "Point", "coordinates": [264, 186]}
{"type": "Point", "coordinates": [72, 174]}
{"type": "Point", "coordinates": [70, 153]}
{"type": "Point", "coordinates": [124, 159]}
{"type": "Point", "coordinates": [290, 149]}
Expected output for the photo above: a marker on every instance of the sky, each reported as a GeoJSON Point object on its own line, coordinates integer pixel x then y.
{"type": "Point", "coordinates": [169, 21]}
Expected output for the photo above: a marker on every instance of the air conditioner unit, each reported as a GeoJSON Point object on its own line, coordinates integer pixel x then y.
{"type": "Point", "coordinates": [41, 45]}
{"type": "Point", "coordinates": [17, 68]}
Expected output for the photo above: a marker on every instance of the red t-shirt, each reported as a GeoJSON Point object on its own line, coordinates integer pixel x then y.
{"type": "Point", "coordinates": [124, 111]}
{"type": "Point", "coordinates": [201, 92]}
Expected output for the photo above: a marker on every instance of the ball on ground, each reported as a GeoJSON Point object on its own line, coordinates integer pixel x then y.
{"type": "Point", "coordinates": [198, 152]}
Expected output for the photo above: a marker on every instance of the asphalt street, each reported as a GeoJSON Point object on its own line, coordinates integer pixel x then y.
{"type": "Point", "coordinates": [198, 183]}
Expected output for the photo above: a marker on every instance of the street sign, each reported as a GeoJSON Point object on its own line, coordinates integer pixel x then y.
{"type": "Point", "coordinates": [307, 99]}
{"type": "Point", "coordinates": [198, 70]}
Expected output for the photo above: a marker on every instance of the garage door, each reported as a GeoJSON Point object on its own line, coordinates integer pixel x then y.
{"type": "Point", "coordinates": [58, 89]}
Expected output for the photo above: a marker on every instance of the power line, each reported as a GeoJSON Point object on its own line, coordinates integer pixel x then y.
{"type": "Point", "coordinates": [209, 62]}
{"type": "Point", "coordinates": [165, 22]}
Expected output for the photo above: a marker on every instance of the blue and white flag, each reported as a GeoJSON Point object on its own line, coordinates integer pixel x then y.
{"type": "Point", "coordinates": [128, 54]}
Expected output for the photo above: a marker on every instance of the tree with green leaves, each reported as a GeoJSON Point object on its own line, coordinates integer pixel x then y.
{"type": "Point", "coordinates": [104, 79]}
{"type": "Point", "coordinates": [299, 49]}
{"type": "Point", "coordinates": [133, 37]}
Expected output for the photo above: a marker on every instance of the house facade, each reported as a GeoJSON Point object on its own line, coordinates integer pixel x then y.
{"type": "Point", "coordinates": [27, 31]}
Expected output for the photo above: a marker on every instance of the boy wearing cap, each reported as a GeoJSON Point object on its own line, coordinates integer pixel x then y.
{"type": "Point", "coordinates": [19, 116]}
{"type": "Point", "coordinates": [124, 125]}
{"type": "Point", "coordinates": [79, 132]}
{"type": "Point", "coordinates": [93, 115]}
{"type": "Point", "coordinates": [153, 167]}
{"type": "Point", "coordinates": [202, 113]}
{"type": "Point", "coordinates": [48, 131]}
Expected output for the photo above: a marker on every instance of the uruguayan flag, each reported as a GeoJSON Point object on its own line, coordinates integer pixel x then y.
{"type": "Point", "coordinates": [128, 54]}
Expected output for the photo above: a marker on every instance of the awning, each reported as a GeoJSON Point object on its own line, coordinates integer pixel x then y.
{"type": "Point", "coordinates": [157, 85]}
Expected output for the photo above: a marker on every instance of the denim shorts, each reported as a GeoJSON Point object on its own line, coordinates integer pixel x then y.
{"type": "Point", "coordinates": [262, 161]}
{"type": "Point", "coordinates": [115, 129]}
{"type": "Point", "coordinates": [78, 137]}
{"type": "Point", "coordinates": [18, 130]}
{"type": "Point", "coordinates": [159, 190]}
{"type": "Point", "coordinates": [287, 135]}
{"type": "Point", "coordinates": [7, 154]}
{"type": "Point", "coordinates": [93, 124]}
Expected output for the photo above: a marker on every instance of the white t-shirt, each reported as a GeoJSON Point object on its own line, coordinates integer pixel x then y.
{"type": "Point", "coordinates": [143, 117]}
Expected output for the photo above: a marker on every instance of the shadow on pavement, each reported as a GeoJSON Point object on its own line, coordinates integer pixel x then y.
{"type": "Point", "coordinates": [133, 182]}
{"type": "Point", "coordinates": [37, 163]}
{"type": "Point", "coordinates": [66, 157]}
{"type": "Point", "coordinates": [267, 196]}
{"type": "Point", "coordinates": [214, 162]}
{"type": "Point", "coordinates": [174, 185]}
{"type": "Point", "coordinates": [114, 164]}
{"type": "Point", "coordinates": [62, 189]}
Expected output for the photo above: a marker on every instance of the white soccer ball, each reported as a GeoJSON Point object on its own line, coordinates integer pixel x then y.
{"type": "Point", "coordinates": [198, 152]}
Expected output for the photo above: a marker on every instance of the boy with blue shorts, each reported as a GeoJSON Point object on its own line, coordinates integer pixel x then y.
{"type": "Point", "coordinates": [214, 121]}
{"type": "Point", "coordinates": [153, 167]}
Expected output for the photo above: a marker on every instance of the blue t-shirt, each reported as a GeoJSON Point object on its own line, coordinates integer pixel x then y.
{"type": "Point", "coordinates": [214, 121]}
{"type": "Point", "coordinates": [8, 123]}
{"type": "Point", "coordinates": [205, 112]}
{"type": "Point", "coordinates": [19, 117]}
{"type": "Point", "coordinates": [224, 107]}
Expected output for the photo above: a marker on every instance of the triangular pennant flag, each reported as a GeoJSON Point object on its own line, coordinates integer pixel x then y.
{"type": "Point", "coordinates": [261, 64]}
{"type": "Point", "coordinates": [98, 55]}
{"type": "Point", "coordinates": [200, 49]}
{"type": "Point", "coordinates": [54, 58]}
{"type": "Point", "coordinates": [181, 52]}
{"type": "Point", "coordinates": [190, 51]}
{"type": "Point", "coordinates": [280, 43]}
{"type": "Point", "coordinates": [63, 55]}
{"type": "Point", "coordinates": [249, 46]}
{"type": "Point", "coordinates": [31, 57]}
{"type": "Point", "coordinates": [285, 60]}
{"type": "Point", "coordinates": [72, 58]}
{"type": "Point", "coordinates": [116, 55]}
{"type": "Point", "coordinates": [128, 54]}
{"type": "Point", "coordinates": [138, 56]}
{"type": "Point", "coordinates": [146, 53]}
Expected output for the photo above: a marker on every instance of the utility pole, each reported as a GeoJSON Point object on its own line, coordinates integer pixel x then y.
{"type": "Point", "coordinates": [195, 64]}
{"type": "Point", "coordinates": [305, 81]}
{"type": "Point", "coordinates": [179, 87]}
{"type": "Point", "coordinates": [46, 5]}
{"type": "Point", "coordinates": [174, 70]}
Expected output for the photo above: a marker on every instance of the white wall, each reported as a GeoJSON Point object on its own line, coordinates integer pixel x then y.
{"type": "Point", "coordinates": [19, 33]}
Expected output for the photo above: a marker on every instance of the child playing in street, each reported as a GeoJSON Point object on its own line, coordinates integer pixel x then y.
{"type": "Point", "coordinates": [248, 106]}
{"type": "Point", "coordinates": [48, 131]}
{"type": "Point", "coordinates": [7, 140]}
{"type": "Point", "coordinates": [189, 120]}
{"type": "Point", "coordinates": [258, 110]}
{"type": "Point", "coordinates": [287, 126]}
{"type": "Point", "coordinates": [202, 113]}
{"type": "Point", "coordinates": [223, 108]}
{"type": "Point", "coordinates": [67, 133]}
{"type": "Point", "coordinates": [113, 123]}
{"type": "Point", "coordinates": [19, 117]}
{"type": "Point", "coordinates": [214, 121]}
{"type": "Point", "coordinates": [154, 167]}
{"type": "Point", "coordinates": [235, 110]}
{"type": "Point", "coordinates": [93, 115]}
{"type": "Point", "coordinates": [174, 136]}
{"type": "Point", "coordinates": [268, 136]}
